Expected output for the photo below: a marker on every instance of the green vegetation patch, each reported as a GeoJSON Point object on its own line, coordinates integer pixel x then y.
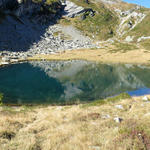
{"type": "Point", "coordinates": [146, 44]}
{"type": "Point", "coordinates": [101, 26]}
{"type": "Point", "coordinates": [123, 47]}
{"type": "Point", "coordinates": [65, 21]}
{"type": "Point", "coordinates": [142, 29]}
{"type": "Point", "coordinates": [1, 97]}
{"type": "Point", "coordinates": [109, 100]}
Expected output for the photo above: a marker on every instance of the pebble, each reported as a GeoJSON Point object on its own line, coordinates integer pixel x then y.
{"type": "Point", "coordinates": [119, 106]}
{"type": "Point", "coordinates": [105, 116]}
{"type": "Point", "coordinates": [145, 98]}
{"type": "Point", "coordinates": [118, 120]}
{"type": "Point", "coordinates": [94, 147]}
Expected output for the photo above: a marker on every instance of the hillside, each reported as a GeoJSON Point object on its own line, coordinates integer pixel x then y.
{"type": "Point", "coordinates": [54, 26]}
{"type": "Point", "coordinates": [119, 124]}
{"type": "Point", "coordinates": [98, 19]}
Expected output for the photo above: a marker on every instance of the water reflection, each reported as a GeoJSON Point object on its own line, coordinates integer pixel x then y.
{"type": "Point", "coordinates": [57, 82]}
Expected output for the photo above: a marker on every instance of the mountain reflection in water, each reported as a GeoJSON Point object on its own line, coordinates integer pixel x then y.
{"type": "Point", "coordinates": [57, 82]}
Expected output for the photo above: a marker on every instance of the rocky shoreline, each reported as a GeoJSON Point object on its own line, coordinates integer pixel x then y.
{"type": "Point", "coordinates": [67, 38]}
{"type": "Point", "coordinates": [31, 38]}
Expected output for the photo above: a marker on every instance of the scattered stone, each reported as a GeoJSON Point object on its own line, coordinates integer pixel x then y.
{"type": "Point", "coordinates": [143, 38]}
{"type": "Point", "coordinates": [105, 116]}
{"type": "Point", "coordinates": [94, 147]}
{"type": "Point", "coordinates": [145, 98]}
{"type": "Point", "coordinates": [5, 59]}
{"type": "Point", "coordinates": [129, 39]}
{"type": "Point", "coordinates": [118, 120]}
{"type": "Point", "coordinates": [4, 63]}
{"type": "Point", "coordinates": [119, 106]}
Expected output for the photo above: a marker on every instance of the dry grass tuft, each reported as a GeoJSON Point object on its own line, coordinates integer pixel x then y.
{"type": "Point", "coordinates": [76, 127]}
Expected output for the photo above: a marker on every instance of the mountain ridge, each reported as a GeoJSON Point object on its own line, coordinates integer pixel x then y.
{"type": "Point", "coordinates": [103, 22]}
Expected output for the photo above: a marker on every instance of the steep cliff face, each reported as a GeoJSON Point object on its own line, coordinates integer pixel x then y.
{"type": "Point", "coordinates": [32, 8]}
{"type": "Point", "coordinates": [25, 22]}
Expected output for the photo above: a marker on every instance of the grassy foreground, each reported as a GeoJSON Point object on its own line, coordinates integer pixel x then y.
{"type": "Point", "coordinates": [77, 127]}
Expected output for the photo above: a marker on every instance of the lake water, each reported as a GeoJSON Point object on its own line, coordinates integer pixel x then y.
{"type": "Point", "coordinates": [67, 81]}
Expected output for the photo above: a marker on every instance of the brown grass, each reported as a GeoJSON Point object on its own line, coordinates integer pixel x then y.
{"type": "Point", "coordinates": [76, 127]}
{"type": "Point", "coordinates": [137, 56]}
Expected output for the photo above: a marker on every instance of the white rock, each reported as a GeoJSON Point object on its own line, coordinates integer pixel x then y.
{"type": "Point", "coordinates": [94, 147]}
{"type": "Point", "coordinates": [4, 63]}
{"type": "Point", "coordinates": [129, 39]}
{"type": "Point", "coordinates": [145, 98]}
{"type": "Point", "coordinates": [143, 38]}
{"type": "Point", "coordinates": [118, 120]}
{"type": "Point", "coordinates": [119, 106]}
{"type": "Point", "coordinates": [5, 59]}
{"type": "Point", "coordinates": [105, 116]}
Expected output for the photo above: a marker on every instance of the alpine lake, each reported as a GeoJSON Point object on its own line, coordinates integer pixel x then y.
{"type": "Point", "coordinates": [56, 82]}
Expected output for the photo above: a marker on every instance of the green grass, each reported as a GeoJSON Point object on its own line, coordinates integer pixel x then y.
{"type": "Point", "coordinates": [65, 21]}
{"type": "Point", "coordinates": [101, 26]}
{"type": "Point", "coordinates": [146, 44]}
{"type": "Point", "coordinates": [109, 100]}
{"type": "Point", "coordinates": [123, 47]}
{"type": "Point", "coordinates": [1, 97]}
{"type": "Point", "coordinates": [142, 29]}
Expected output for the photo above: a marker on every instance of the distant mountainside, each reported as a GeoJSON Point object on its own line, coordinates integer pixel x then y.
{"type": "Point", "coordinates": [101, 20]}
{"type": "Point", "coordinates": [114, 19]}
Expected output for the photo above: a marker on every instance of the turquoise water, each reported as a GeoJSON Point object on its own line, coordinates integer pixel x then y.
{"type": "Point", "coordinates": [59, 82]}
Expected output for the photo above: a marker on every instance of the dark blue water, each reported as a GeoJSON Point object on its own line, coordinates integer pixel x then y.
{"type": "Point", "coordinates": [61, 82]}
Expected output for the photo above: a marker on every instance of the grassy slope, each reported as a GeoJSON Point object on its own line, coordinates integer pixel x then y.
{"type": "Point", "coordinates": [101, 26]}
{"type": "Point", "coordinates": [76, 127]}
{"type": "Point", "coordinates": [141, 29]}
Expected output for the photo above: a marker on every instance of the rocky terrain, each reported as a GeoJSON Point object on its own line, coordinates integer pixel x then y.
{"type": "Point", "coordinates": [33, 38]}
{"type": "Point", "coordinates": [32, 27]}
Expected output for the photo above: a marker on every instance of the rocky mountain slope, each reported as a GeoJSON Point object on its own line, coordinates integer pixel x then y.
{"type": "Point", "coordinates": [43, 27]}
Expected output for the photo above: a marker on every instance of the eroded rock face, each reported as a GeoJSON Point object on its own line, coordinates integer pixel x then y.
{"type": "Point", "coordinates": [32, 7]}
{"type": "Point", "coordinates": [8, 4]}
{"type": "Point", "coordinates": [72, 10]}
